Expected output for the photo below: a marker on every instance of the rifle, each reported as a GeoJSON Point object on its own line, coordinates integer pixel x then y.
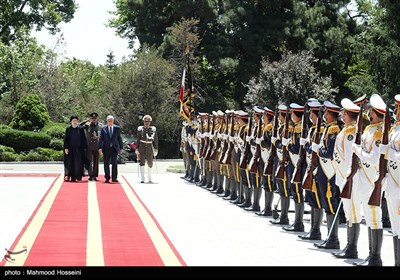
{"type": "Point", "coordinates": [375, 198]}
{"type": "Point", "coordinates": [246, 152]}
{"type": "Point", "coordinates": [226, 141]}
{"type": "Point", "coordinates": [202, 139]}
{"type": "Point", "coordinates": [210, 141]}
{"type": "Point", "coordinates": [307, 184]}
{"type": "Point", "coordinates": [218, 145]}
{"type": "Point", "coordinates": [256, 156]}
{"type": "Point", "coordinates": [297, 178]}
{"type": "Point", "coordinates": [206, 141]}
{"type": "Point", "coordinates": [280, 174]}
{"type": "Point", "coordinates": [347, 189]}
{"type": "Point", "coordinates": [269, 167]}
{"type": "Point", "coordinates": [228, 153]}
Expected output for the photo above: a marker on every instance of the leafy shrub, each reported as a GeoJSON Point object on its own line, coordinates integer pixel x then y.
{"type": "Point", "coordinates": [24, 140]}
{"type": "Point", "coordinates": [55, 130]}
{"type": "Point", "coordinates": [8, 156]}
{"type": "Point", "coordinates": [50, 154]}
{"type": "Point", "coordinates": [33, 156]}
{"type": "Point", "coordinates": [57, 144]}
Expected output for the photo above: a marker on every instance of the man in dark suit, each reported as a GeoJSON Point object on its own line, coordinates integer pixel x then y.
{"type": "Point", "coordinates": [110, 144]}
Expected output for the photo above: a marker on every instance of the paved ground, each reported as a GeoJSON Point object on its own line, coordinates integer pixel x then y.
{"type": "Point", "coordinates": [204, 228]}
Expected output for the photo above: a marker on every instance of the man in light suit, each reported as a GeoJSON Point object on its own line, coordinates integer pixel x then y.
{"type": "Point", "coordinates": [110, 144]}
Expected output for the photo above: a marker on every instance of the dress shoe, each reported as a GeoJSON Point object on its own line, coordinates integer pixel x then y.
{"type": "Point", "coordinates": [280, 221]}
{"type": "Point", "coordinates": [107, 181]}
{"type": "Point", "coordinates": [142, 182]}
{"type": "Point", "coordinates": [231, 197]}
{"type": "Point", "coordinates": [115, 181]}
{"type": "Point", "coordinates": [245, 204]}
{"type": "Point", "coordinates": [295, 227]}
{"type": "Point", "coordinates": [312, 235]}
{"type": "Point", "coordinates": [265, 213]}
{"type": "Point", "coordinates": [73, 180]}
{"type": "Point", "coordinates": [349, 252]}
{"type": "Point", "coordinates": [91, 179]}
{"type": "Point", "coordinates": [95, 179]}
{"type": "Point", "coordinates": [252, 208]}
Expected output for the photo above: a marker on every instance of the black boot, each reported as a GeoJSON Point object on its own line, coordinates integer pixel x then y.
{"type": "Point", "coordinates": [283, 219]}
{"type": "Point", "coordinates": [233, 190]}
{"type": "Point", "coordinates": [316, 220]}
{"type": "Point", "coordinates": [240, 196]}
{"type": "Point", "coordinates": [398, 253]}
{"type": "Point", "coordinates": [247, 195]}
{"type": "Point", "coordinates": [350, 251]}
{"type": "Point", "coordinates": [377, 239]}
{"type": "Point", "coordinates": [267, 212]}
{"type": "Point", "coordinates": [256, 200]}
{"type": "Point", "coordinates": [396, 250]}
{"type": "Point", "coordinates": [298, 220]}
{"type": "Point", "coordinates": [385, 213]}
{"type": "Point", "coordinates": [365, 262]}
{"type": "Point", "coordinates": [333, 241]}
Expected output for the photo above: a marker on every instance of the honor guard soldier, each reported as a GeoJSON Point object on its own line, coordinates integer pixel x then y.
{"type": "Point", "coordinates": [218, 184]}
{"type": "Point", "coordinates": [312, 196]}
{"type": "Point", "coordinates": [255, 176]}
{"type": "Point", "coordinates": [184, 150]}
{"type": "Point", "coordinates": [282, 183]}
{"type": "Point", "coordinates": [239, 148]}
{"type": "Point", "coordinates": [208, 149]}
{"type": "Point", "coordinates": [232, 158]}
{"type": "Point", "coordinates": [146, 147]}
{"type": "Point", "coordinates": [325, 176]}
{"type": "Point", "coordinates": [368, 153]}
{"type": "Point", "coordinates": [392, 154]}
{"type": "Point", "coordinates": [228, 170]}
{"type": "Point", "coordinates": [91, 127]}
{"type": "Point", "coordinates": [202, 130]}
{"type": "Point", "coordinates": [267, 182]}
{"type": "Point", "coordinates": [342, 160]}
{"type": "Point", "coordinates": [296, 115]}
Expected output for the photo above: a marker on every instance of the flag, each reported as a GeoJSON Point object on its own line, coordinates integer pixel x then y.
{"type": "Point", "coordinates": [186, 92]}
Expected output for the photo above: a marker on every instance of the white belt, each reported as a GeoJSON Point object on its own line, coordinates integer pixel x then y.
{"type": "Point", "coordinates": [146, 142]}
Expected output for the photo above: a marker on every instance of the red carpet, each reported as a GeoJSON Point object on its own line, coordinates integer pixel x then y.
{"type": "Point", "coordinates": [61, 237]}
{"type": "Point", "coordinates": [125, 240]}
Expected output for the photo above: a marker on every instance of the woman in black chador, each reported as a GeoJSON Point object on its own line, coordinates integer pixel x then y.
{"type": "Point", "coordinates": [75, 146]}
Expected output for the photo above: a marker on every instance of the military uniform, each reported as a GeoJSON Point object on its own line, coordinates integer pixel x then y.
{"type": "Point", "coordinates": [282, 184]}
{"type": "Point", "coordinates": [267, 182]}
{"type": "Point", "coordinates": [146, 147]}
{"type": "Point", "coordinates": [295, 187]}
{"type": "Point", "coordinates": [342, 154]}
{"type": "Point", "coordinates": [313, 197]}
{"type": "Point", "coordinates": [92, 136]}
{"type": "Point", "coordinates": [368, 153]}
{"type": "Point", "coordinates": [326, 176]}
{"type": "Point", "coordinates": [255, 176]}
{"type": "Point", "coordinates": [392, 182]}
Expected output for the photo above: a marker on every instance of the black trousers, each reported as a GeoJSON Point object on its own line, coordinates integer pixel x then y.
{"type": "Point", "coordinates": [110, 156]}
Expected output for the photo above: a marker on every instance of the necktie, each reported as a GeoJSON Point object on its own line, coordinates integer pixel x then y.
{"type": "Point", "coordinates": [111, 131]}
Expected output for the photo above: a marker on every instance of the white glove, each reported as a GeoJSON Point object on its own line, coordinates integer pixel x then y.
{"type": "Point", "coordinates": [136, 151]}
{"type": "Point", "coordinates": [356, 149]}
{"type": "Point", "coordinates": [248, 138]}
{"type": "Point", "coordinates": [258, 141]}
{"type": "Point", "coordinates": [225, 136]}
{"type": "Point", "coordinates": [315, 147]}
{"type": "Point", "coordinates": [231, 138]}
{"type": "Point", "coordinates": [303, 141]}
{"type": "Point", "coordinates": [285, 141]}
{"type": "Point", "coordinates": [383, 149]}
{"type": "Point", "coordinates": [273, 140]}
{"type": "Point", "coordinates": [206, 134]}
{"type": "Point", "coordinates": [155, 152]}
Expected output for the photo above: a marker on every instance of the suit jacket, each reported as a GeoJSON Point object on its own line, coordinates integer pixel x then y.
{"type": "Point", "coordinates": [106, 142]}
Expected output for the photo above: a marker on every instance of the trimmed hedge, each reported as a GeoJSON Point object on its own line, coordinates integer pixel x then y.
{"type": "Point", "coordinates": [57, 144]}
{"type": "Point", "coordinates": [55, 130]}
{"type": "Point", "coordinates": [24, 140]}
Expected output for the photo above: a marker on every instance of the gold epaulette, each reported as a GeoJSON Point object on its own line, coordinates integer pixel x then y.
{"type": "Point", "coordinates": [322, 129]}
{"type": "Point", "coordinates": [377, 134]}
{"type": "Point", "coordinates": [350, 130]}
{"type": "Point", "coordinates": [297, 129]}
{"type": "Point", "coordinates": [268, 127]}
{"type": "Point", "coordinates": [290, 128]}
{"type": "Point", "coordinates": [391, 129]}
{"type": "Point", "coordinates": [333, 129]}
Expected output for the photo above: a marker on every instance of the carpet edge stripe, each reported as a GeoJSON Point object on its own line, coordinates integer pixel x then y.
{"type": "Point", "coordinates": [28, 238]}
{"type": "Point", "coordinates": [94, 243]}
{"type": "Point", "coordinates": [163, 247]}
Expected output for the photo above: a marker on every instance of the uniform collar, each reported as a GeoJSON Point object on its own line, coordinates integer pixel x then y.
{"type": "Point", "coordinates": [331, 123]}
{"type": "Point", "coordinates": [350, 124]}
{"type": "Point", "coordinates": [376, 124]}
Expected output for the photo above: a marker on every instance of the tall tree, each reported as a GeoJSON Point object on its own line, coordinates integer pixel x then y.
{"type": "Point", "coordinates": [18, 15]}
